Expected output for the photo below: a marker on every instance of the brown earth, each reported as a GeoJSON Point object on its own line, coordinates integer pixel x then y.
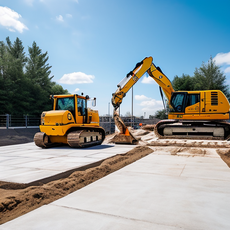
{"type": "Point", "coordinates": [225, 155]}
{"type": "Point", "coordinates": [16, 202]}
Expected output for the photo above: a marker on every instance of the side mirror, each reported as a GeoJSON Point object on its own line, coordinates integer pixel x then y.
{"type": "Point", "coordinates": [94, 101]}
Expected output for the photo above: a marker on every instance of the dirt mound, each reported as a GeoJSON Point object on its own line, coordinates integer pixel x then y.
{"type": "Point", "coordinates": [148, 127]}
{"type": "Point", "coordinates": [16, 202]}
{"type": "Point", "coordinates": [189, 143]}
{"type": "Point", "coordinates": [225, 155]}
{"type": "Point", "coordinates": [143, 136]}
{"type": "Point", "coordinates": [188, 151]}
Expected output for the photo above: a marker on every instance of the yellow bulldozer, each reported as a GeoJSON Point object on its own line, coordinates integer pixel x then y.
{"type": "Point", "coordinates": [70, 122]}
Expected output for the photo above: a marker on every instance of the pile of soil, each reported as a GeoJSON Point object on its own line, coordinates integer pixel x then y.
{"type": "Point", "coordinates": [16, 202]}
{"type": "Point", "coordinates": [225, 155]}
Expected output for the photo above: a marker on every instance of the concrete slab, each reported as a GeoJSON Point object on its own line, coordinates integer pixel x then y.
{"type": "Point", "coordinates": [156, 192]}
{"type": "Point", "coordinates": [27, 163]}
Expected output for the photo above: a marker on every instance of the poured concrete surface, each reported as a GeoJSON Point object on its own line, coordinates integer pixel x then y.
{"type": "Point", "coordinates": [160, 191]}
{"type": "Point", "coordinates": [27, 163]}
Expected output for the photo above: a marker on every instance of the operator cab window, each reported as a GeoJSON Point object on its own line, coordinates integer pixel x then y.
{"type": "Point", "coordinates": [66, 103]}
{"type": "Point", "coordinates": [177, 102]}
{"type": "Point", "coordinates": [193, 99]}
{"type": "Point", "coordinates": [81, 106]}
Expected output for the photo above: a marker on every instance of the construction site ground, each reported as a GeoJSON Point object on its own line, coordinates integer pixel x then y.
{"type": "Point", "coordinates": [159, 184]}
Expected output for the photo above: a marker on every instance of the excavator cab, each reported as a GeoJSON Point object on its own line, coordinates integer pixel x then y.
{"type": "Point", "coordinates": [180, 101]}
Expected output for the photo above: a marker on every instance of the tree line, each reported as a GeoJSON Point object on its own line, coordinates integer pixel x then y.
{"type": "Point", "coordinates": [208, 77]}
{"type": "Point", "coordinates": [25, 81]}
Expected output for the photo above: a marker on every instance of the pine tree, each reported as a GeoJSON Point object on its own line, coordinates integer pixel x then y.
{"type": "Point", "coordinates": [4, 80]}
{"type": "Point", "coordinates": [38, 72]}
{"type": "Point", "coordinates": [25, 82]}
{"type": "Point", "coordinates": [209, 76]}
{"type": "Point", "coordinates": [185, 82]}
{"type": "Point", "coordinates": [17, 93]}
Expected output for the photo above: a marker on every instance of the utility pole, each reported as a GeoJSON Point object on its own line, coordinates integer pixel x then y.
{"type": "Point", "coordinates": [132, 109]}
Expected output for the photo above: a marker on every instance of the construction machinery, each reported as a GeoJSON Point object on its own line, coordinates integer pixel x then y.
{"type": "Point", "coordinates": [70, 122]}
{"type": "Point", "coordinates": [191, 114]}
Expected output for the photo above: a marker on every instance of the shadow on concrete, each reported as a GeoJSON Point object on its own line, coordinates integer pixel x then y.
{"type": "Point", "coordinates": [66, 147]}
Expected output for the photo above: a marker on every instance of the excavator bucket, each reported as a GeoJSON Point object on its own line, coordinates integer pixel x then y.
{"type": "Point", "coordinates": [124, 139]}
{"type": "Point", "coordinates": [125, 136]}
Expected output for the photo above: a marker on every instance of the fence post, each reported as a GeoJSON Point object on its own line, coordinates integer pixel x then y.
{"type": "Point", "coordinates": [26, 120]}
{"type": "Point", "coordinates": [7, 121]}
{"type": "Point", "coordinates": [110, 126]}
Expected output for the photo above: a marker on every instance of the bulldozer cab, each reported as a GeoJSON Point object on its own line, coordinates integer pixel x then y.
{"type": "Point", "coordinates": [77, 105]}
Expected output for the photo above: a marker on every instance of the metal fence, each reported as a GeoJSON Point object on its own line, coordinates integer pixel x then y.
{"type": "Point", "coordinates": [7, 121]}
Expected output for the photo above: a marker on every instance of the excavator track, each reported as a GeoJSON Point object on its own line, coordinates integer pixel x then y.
{"type": "Point", "coordinates": [85, 138]}
{"type": "Point", "coordinates": [192, 130]}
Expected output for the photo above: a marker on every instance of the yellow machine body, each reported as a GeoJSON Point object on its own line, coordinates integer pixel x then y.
{"type": "Point", "coordinates": [201, 105]}
{"type": "Point", "coordinates": [70, 114]}
{"type": "Point", "coordinates": [199, 112]}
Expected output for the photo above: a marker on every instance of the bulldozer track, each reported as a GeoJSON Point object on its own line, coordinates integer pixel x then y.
{"type": "Point", "coordinates": [84, 138]}
{"type": "Point", "coordinates": [42, 140]}
{"type": "Point", "coordinates": [77, 139]}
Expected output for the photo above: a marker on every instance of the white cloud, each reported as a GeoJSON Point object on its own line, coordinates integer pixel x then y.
{"type": "Point", "coordinates": [29, 2]}
{"type": "Point", "coordinates": [76, 78]}
{"type": "Point", "coordinates": [60, 18]}
{"type": "Point", "coordinates": [76, 90]}
{"type": "Point", "coordinates": [69, 15]}
{"type": "Point", "coordinates": [222, 58]}
{"type": "Point", "coordinates": [148, 80]}
{"type": "Point", "coordinates": [151, 106]}
{"type": "Point", "coordinates": [148, 106]}
{"type": "Point", "coordinates": [151, 103]}
{"type": "Point", "coordinates": [141, 97]}
{"type": "Point", "coordinates": [10, 19]}
{"type": "Point", "coordinates": [227, 70]}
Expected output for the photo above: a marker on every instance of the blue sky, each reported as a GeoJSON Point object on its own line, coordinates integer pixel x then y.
{"type": "Point", "coordinates": [93, 44]}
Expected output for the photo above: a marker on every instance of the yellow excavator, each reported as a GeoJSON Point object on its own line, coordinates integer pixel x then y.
{"type": "Point", "coordinates": [70, 122]}
{"type": "Point", "coordinates": [191, 115]}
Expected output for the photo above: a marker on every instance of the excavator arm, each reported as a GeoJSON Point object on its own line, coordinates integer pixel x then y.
{"type": "Point", "coordinates": [133, 76]}
{"type": "Point", "coordinates": [126, 84]}
{"type": "Point", "coordinates": [161, 80]}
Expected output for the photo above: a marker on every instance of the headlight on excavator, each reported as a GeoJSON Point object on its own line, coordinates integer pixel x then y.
{"type": "Point", "coordinates": [42, 118]}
